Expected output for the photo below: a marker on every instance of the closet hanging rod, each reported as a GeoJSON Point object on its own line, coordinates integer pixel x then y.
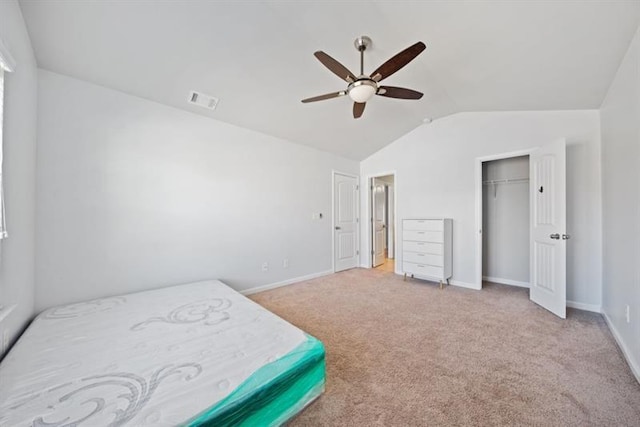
{"type": "Point", "coordinates": [506, 181]}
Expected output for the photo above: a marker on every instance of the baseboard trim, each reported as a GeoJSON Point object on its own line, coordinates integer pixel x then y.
{"type": "Point", "coordinates": [506, 281]}
{"type": "Point", "coordinates": [287, 282]}
{"type": "Point", "coordinates": [635, 367]}
{"type": "Point", "coordinates": [586, 307]}
{"type": "Point", "coordinates": [464, 285]}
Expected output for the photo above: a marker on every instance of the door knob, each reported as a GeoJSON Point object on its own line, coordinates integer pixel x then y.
{"type": "Point", "coordinates": [338, 228]}
{"type": "Point", "coordinates": [566, 237]}
{"type": "Point", "coordinates": [555, 236]}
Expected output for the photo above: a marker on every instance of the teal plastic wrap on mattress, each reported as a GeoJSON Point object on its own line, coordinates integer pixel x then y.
{"type": "Point", "coordinates": [274, 393]}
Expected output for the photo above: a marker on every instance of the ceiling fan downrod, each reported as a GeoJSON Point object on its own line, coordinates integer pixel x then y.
{"type": "Point", "coordinates": [361, 44]}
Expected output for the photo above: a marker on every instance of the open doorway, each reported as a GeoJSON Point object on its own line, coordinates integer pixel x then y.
{"type": "Point", "coordinates": [383, 230]}
{"type": "Point", "coordinates": [506, 222]}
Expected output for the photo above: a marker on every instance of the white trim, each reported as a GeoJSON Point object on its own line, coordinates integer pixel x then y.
{"type": "Point", "coordinates": [6, 60]}
{"type": "Point", "coordinates": [333, 217]}
{"type": "Point", "coordinates": [3, 216]}
{"type": "Point", "coordinates": [287, 282]}
{"type": "Point", "coordinates": [465, 285]}
{"type": "Point", "coordinates": [635, 367]}
{"type": "Point", "coordinates": [506, 281]}
{"type": "Point", "coordinates": [478, 184]}
{"type": "Point", "coordinates": [368, 216]}
{"type": "Point", "coordinates": [583, 306]}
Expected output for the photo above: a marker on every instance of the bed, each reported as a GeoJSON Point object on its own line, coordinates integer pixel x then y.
{"type": "Point", "coordinates": [194, 354]}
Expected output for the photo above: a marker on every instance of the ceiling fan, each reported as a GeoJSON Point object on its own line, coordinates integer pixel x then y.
{"type": "Point", "coordinates": [363, 87]}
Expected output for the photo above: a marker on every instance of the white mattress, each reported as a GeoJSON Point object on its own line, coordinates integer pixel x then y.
{"type": "Point", "coordinates": [151, 358]}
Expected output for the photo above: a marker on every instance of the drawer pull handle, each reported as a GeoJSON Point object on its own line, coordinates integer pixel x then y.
{"type": "Point", "coordinates": [420, 232]}
{"type": "Point", "coordinates": [421, 266]}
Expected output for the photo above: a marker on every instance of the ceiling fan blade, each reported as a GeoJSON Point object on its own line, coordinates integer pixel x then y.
{"type": "Point", "coordinates": [358, 109]}
{"type": "Point", "coordinates": [325, 96]}
{"type": "Point", "coordinates": [335, 67]}
{"type": "Point", "coordinates": [399, 92]}
{"type": "Point", "coordinates": [397, 62]}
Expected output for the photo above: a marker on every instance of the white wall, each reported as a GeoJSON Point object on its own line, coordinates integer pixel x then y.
{"type": "Point", "coordinates": [17, 252]}
{"type": "Point", "coordinates": [505, 218]}
{"type": "Point", "coordinates": [435, 167]}
{"type": "Point", "coordinates": [135, 195]}
{"type": "Point", "coordinates": [620, 114]}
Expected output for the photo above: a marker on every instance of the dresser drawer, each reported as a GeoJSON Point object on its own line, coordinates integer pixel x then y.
{"type": "Point", "coordinates": [423, 247]}
{"type": "Point", "coordinates": [422, 270]}
{"type": "Point", "coordinates": [423, 236]}
{"type": "Point", "coordinates": [423, 224]}
{"type": "Point", "coordinates": [419, 258]}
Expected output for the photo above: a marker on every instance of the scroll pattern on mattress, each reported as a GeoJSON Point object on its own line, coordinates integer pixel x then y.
{"type": "Point", "coordinates": [160, 357]}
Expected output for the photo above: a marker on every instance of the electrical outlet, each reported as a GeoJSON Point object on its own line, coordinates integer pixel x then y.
{"type": "Point", "coordinates": [628, 314]}
{"type": "Point", "coordinates": [265, 266]}
{"type": "Point", "coordinates": [285, 263]}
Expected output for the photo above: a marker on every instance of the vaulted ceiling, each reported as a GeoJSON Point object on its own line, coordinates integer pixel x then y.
{"type": "Point", "coordinates": [257, 57]}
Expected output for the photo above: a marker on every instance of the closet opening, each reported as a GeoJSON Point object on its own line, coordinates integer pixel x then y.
{"type": "Point", "coordinates": [383, 230]}
{"type": "Point", "coordinates": [505, 222]}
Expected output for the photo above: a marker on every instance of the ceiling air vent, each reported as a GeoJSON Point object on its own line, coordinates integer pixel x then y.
{"type": "Point", "coordinates": [202, 100]}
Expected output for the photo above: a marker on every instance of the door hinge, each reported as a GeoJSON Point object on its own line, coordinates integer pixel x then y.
{"type": "Point", "coordinates": [357, 187]}
{"type": "Point", "coordinates": [373, 253]}
{"type": "Point", "coordinates": [357, 252]}
{"type": "Point", "coordinates": [357, 219]}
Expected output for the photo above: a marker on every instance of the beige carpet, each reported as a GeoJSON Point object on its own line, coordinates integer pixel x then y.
{"type": "Point", "coordinates": [406, 354]}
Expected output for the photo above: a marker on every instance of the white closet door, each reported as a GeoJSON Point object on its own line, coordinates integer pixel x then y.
{"type": "Point", "coordinates": [548, 228]}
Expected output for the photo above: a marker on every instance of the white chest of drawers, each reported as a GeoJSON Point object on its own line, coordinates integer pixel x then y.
{"type": "Point", "coordinates": [426, 248]}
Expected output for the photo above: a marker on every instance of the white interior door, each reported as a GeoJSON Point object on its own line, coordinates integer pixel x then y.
{"type": "Point", "coordinates": [378, 221]}
{"type": "Point", "coordinates": [391, 248]}
{"type": "Point", "coordinates": [548, 228]}
{"type": "Point", "coordinates": [345, 216]}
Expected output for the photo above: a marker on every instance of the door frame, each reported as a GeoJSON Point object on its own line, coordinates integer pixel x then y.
{"type": "Point", "coordinates": [369, 216]}
{"type": "Point", "coordinates": [333, 217]}
{"type": "Point", "coordinates": [478, 181]}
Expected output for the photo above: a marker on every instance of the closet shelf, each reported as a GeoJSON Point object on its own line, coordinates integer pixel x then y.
{"type": "Point", "coordinates": [505, 181]}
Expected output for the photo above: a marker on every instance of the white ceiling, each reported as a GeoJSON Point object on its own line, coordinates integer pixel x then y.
{"type": "Point", "coordinates": [257, 57]}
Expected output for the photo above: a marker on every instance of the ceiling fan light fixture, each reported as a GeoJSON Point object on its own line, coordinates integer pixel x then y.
{"type": "Point", "coordinates": [362, 90]}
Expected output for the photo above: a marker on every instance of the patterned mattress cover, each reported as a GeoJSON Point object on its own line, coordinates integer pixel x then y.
{"type": "Point", "coordinates": [192, 354]}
